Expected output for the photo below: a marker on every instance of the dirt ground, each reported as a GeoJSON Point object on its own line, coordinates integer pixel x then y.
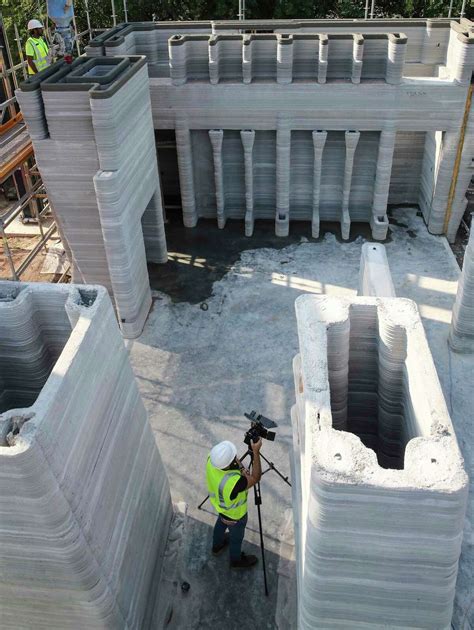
{"type": "Point", "coordinates": [20, 247]}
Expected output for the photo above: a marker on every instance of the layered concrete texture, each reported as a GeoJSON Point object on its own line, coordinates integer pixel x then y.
{"type": "Point", "coordinates": [461, 335]}
{"type": "Point", "coordinates": [86, 506]}
{"type": "Point", "coordinates": [305, 120]}
{"type": "Point", "coordinates": [93, 137]}
{"type": "Point", "coordinates": [379, 491]}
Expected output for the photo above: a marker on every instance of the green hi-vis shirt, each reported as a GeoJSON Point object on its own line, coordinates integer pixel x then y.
{"type": "Point", "coordinates": [37, 48]}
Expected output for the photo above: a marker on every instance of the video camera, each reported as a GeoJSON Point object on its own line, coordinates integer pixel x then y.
{"type": "Point", "coordinates": [259, 426]}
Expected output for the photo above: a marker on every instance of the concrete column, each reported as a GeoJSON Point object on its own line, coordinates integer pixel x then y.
{"type": "Point", "coordinates": [397, 46]}
{"type": "Point", "coordinates": [247, 59]}
{"type": "Point", "coordinates": [248, 138]}
{"type": "Point", "coordinates": [357, 57]}
{"type": "Point", "coordinates": [186, 174]}
{"type": "Point", "coordinates": [285, 59]}
{"type": "Point", "coordinates": [323, 58]}
{"type": "Point", "coordinates": [319, 140]}
{"type": "Point", "coordinates": [283, 148]}
{"type": "Point", "coordinates": [154, 230]}
{"type": "Point", "coordinates": [213, 60]}
{"type": "Point", "coordinates": [443, 182]}
{"type": "Point", "coordinates": [461, 334]}
{"type": "Point", "coordinates": [177, 59]}
{"type": "Point", "coordinates": [352, 138]}
{"type": "Point", "coordinates": [216, 136]}
{"type": "Point", "coordinates": [460, 57]}
{"type": "Point", "coordinates": [379, 220]}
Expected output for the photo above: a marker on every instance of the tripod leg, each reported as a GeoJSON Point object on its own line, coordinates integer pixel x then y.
{"type": "Point", "coordinates": [202, 503]}
{"type": "Point", "coordinates": [258, 502]}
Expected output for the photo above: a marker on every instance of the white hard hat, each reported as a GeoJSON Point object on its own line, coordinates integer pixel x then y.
{"type": "Point", "coordinates": [34, 24]}
{"type": "Point", "coordinates": [223, 454]}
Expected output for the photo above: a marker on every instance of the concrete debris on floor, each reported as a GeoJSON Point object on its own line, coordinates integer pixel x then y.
{"type": "Point", "coordinates": [86, 505]}
{"type": "Point", "coordinates": [200, 368]}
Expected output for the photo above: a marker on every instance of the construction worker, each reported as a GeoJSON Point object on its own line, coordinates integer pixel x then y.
{"type": "Point", "coordinates": [37, 51]}
{"type": "Point", "coordinates": [228, 484]}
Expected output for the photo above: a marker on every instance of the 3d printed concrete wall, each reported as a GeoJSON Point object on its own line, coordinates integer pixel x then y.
{"type": "Point", "coordinates": [379, 489]}
{"type": "Point", "coordinates": [93, 137]}
{"type": "Point", "coordinates": [85, 507]}
{"type": "Point", "coordinates": [400, 84]}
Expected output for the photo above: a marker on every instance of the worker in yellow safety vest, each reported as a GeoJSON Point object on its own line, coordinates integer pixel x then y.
{"type": "Point", "coordinates": [36, 48]}
{"type": "Point", "coordinates": [228, 483]}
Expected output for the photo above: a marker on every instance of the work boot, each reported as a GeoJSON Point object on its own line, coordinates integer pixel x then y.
{"type": "Point", "coordinates": [245, 562]}
{"type": "Point", "coordinates": [218, 549]}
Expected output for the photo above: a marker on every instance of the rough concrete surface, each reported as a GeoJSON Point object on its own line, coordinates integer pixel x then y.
{"type": "Point", "coordinates": [201, 365]}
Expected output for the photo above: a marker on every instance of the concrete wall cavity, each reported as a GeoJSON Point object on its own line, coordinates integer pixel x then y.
{"type": "Point", "coordinates": [98, 162]}
{"type": "Point", "coordinates": [380, 491]}
{"type": "Point", "coordinates": [86, 506]}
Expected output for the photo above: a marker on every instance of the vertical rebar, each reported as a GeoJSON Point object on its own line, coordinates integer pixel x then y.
{"type": "Point", "coordinates": [88, 18]}
{"type": "Point", "coordinates": [372, 9]}
{"type": "Point", "coordinates": [7, 251]}
{"type": "Point", "coordinates": [463, 9]}
{"type": "Point", "coordinates": [114, 16]}
{"type": "Point", "coordinates": [366, 13]}
{"type": "Point", "coordinates": [125, 12]}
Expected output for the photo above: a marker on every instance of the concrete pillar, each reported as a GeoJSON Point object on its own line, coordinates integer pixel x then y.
{"type": "Point", "coordinates": [186, 174]}
{"type": "Point", "coordinates": [357, 57]}
{"type": "Point", "coordinates": [319, 140]}
{"type": "Point", "coordinates": [461, 334]}
{"type": "Point", "coordinates": [323, 58]}
{"type": "Point", "coordinates": [397, 46]}
{"type": "Point", "coordinates": [285, 59]}
{"type": "Point", "coordinates": [216, 136]}
{"type": "Point", "coordinates": [460, 57]}
{"type": "Point", "coordinates": [352, 138]}
{"type": "Point", "coordinates": [247, 59]}
{"type": "Point", "coordinates": [379, 220]}
{"type": "Point", "coordinates": [177, 59]}
{"type": "Point", "coordinates": [248, 138]}
{"type": "Point", "coordinates": [443, 182]}
{"type": "Point", "coordinates": [213, 60]}
{"type": "Point", "coordinates": [283, 148]}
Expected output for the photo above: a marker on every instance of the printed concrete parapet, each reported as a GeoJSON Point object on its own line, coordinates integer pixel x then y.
{"type": "Point", "coordinates": [379, 490]}
{"type": "Point", "coordinates": [86, 506]}
{"type": "Point", "coordinates": [93, 136]}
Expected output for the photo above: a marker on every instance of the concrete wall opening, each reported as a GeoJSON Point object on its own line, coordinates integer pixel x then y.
{"type": "Point", "coordinates": [165, 140]}
{"type": "Point", "coordinates": [370, 394]}
{"type": "Point", "coordinates": [37, 333]}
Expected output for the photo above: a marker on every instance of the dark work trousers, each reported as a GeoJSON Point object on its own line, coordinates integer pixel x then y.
{"type": "Point", "coordinates": [236, 535]}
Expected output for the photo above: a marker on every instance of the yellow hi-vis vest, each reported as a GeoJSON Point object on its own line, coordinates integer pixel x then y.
{"type": "Point", "coordinates": [37, 48]}
{"type": "Point", "coordinates": [220, 484]}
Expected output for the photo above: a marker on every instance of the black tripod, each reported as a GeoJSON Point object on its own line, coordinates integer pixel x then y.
{"type": "Point", "coordinates": [258, 503]}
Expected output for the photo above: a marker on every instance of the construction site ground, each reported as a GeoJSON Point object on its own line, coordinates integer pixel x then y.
{"type": "Point", "coordinates": [220, 341]}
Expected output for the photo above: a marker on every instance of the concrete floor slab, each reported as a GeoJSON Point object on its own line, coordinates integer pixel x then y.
{"type": "Point", "coordinates": [212, 351]}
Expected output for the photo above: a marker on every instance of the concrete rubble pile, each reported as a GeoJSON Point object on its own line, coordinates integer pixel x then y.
{"type": "Point", "coordinates": [92, 133]}
{"type": "Point", "coordinates": [379, 489]}
{"type": "Point", "coordinates": [461, 335]}
{"type": "Point", "coordinates": [86, 506]}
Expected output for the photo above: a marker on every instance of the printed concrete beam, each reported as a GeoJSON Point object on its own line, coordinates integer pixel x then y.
{"type": "Point", "coordinates": [379, 493]}
{"type": "Point", "coordinates": [248, 139]}
{"type": "Point", "coordinates": [86, 505]}
{"type": "Point", "coordinates": [379, 220]}
{"type": "Point", "coordinates": [375, 279]}
{"type": "Point", "coordinates": [351, 140]}
{"type": "Point", "coordinates": [216, 136]}
{"type": "Point", "coordinates": [319, 140]}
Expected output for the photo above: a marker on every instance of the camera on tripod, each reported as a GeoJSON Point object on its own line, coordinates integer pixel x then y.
{"type": "Point", "coordinates": [259, 426]}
